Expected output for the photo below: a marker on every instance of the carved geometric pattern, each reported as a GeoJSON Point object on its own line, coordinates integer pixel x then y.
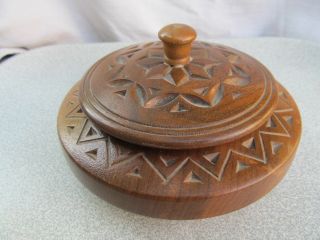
{"type": "Point", "coordinates": [136, 95]}
{"type": "Point", "coordinates": [253, 148]}
{"type": "Point", "coordinates": [288, 119]}
{"type": "Point", "coordinates": [70, 128]}
{"type": "Point", "coordinates": [212, 157]}
{"type": "Point", "coordinates": [187, 168]}
{"type": "Point", "coordinates": [135, 172]}
{"type": "Point", "coordinates": [192, 178]}
{"type": "Point", "coordinates": [128, 88]}
{"type": "Point", "coordinates": [172, 80]}
{"type": "Point", "coordinates": [178, 108]}
{"type": "Point", "coordinates": [76, 112]}
{"type": "Point", "coordinates": [92, 153]}
{"type": "Point", "coordinates": [250, 143]}
{"type": "Point", "coordinates": [89, 132]}
{"type": "Point", "coordinates": [275, 146]}
{"type": "Point", "coordinates": [241, 166]}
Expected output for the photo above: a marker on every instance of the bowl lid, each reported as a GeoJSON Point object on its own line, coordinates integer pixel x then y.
{"type": "Point", "coordinates": [177, 93]}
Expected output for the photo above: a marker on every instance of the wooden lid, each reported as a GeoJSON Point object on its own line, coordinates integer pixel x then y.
{"type": "Point", "coordinates": [178, 94]}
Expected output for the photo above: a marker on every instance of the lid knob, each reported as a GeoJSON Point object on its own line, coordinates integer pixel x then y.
{"type": "Point", "coordinates": [177, 39]}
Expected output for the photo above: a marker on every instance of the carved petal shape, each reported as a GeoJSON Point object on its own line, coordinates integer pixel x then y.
{"type": "Point", "coordinates": [197, 72]}
{"type": "Point", "coordinates": [141, 94]}
{"type": "Point", "coordinates": [161, 100]}
{"type": "Point", "coordinates": [218, 96]}
{"type": "Point", "coordinates": [196, 101]}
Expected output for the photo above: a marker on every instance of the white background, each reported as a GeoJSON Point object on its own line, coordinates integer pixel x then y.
{"type": "Point", "coordinates": [36, 23]}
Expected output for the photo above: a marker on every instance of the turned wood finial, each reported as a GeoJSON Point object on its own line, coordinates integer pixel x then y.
{"type": "Point", "coordinates": [177, 39]}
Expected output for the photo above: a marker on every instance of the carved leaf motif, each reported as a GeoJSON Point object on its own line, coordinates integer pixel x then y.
{"type": "Point", "coordinates": [198, 72]}
{"type": "Point", "coordinates": [217, 96]}
{"type": "Point", "coordinates": [161, 100]}
{"type": "Point", "coordinates": [141, 94]}
{"type": "Point", "coordinates": [201, 91]}
{"type": "Point", "coordinates": [196, 101]}
{"type": "Point", "coordinates": [208, 97]}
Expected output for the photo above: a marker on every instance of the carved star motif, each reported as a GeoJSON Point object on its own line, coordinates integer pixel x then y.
{"type": "Point", "coordinates": [173, 83]}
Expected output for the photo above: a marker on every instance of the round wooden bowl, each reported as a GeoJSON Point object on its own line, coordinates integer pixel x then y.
{"type": "Point", "coordinates": [179, 131]}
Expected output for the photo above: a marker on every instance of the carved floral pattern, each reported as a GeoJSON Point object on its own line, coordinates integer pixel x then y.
{"type": "Point", "coordinates": [171, 81]}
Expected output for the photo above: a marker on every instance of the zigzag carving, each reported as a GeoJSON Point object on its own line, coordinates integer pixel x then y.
{"type": "Point", "coordinates": [213, 162]}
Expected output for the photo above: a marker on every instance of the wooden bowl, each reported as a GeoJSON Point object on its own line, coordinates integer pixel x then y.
{"type": "Point", "coordinates": [179, 130]}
